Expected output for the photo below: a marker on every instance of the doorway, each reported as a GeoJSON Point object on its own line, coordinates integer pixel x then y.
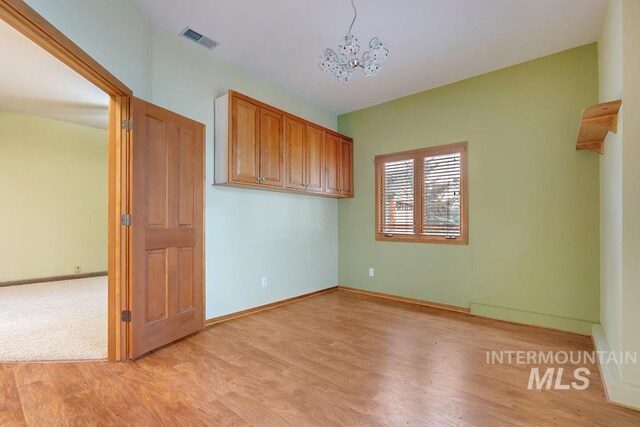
{"type": "Point", "coordinates": [145, 288]}
{"type": "Point", "coordinates": [54, 188]}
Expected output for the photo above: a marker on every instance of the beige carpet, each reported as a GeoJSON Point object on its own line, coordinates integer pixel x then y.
{"type": "Point", "coordinates": [64, 320]}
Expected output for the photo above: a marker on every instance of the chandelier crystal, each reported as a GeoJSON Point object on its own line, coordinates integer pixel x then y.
{"type": "Point", "coordinates": [343, 64]}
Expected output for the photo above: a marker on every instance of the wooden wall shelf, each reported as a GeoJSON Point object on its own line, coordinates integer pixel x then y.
{"type": "Point", "coordinates": [597, 121]}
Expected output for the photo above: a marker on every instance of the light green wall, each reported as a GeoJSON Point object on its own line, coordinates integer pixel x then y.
{"type": "Point", "coordinates": [113, 32]}
{"type": "Point", "coordinates": [290, 239]}
{"type": "Point", "coordinates": [53, 188]}
{"type": "Point", "coordinates": [533, 253]}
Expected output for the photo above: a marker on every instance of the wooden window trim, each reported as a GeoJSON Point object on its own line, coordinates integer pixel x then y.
{"type": "Point", "coordinates": [417, 155]}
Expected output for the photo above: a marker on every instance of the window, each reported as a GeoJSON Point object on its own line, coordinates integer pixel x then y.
{"type": "Point", "coordinates": [421, 195]}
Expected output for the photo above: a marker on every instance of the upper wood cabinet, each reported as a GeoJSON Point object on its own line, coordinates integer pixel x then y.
{"type": "Point", "coordinates": [257, 144]}
{"type": "Point", "coordinates": [313, 158]}
{"type": "Point", "coordinates": [332, 148]}
{"type": "Point", "coordinates": [338, 157]}
{"type": "Point", "coordinates": [303, 161]}
{"type": "Point", "coordinates": [271, 148]}
{"type": "Point", "coordinates": [346, 168]}
{"type": "Point", "coordinates": [245, 141]}
{"type": "Point", "coordinates": [260, 146]}
{"type": "Point", "coordinates": [295, 159]}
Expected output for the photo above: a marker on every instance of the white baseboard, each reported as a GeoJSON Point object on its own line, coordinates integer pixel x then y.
{"type": "Point", "coordinates": [617, 390]}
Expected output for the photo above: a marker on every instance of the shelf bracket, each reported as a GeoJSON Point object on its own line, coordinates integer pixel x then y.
{"type": "Point", "coordinates": [597, 121]}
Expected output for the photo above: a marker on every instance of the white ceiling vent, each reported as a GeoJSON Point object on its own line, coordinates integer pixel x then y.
{"type": "Point", "coordinates": [196, 37]}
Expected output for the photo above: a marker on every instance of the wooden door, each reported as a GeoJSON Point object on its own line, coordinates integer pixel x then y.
{"type": "Point", "coordinates": [245, 140]}
{"type": "Point", "coordinates": [294, 136]}
{"type": "Point", "coordinates": [346, 167]}
{"type": "Point", "coordinates": [271, 148]}
{"type": "Point", "coordinates": [332, 163]}
{"type": "Point", "coordinates": [314, 166]}
{"type": "Point", "coordinates": [167, 232]}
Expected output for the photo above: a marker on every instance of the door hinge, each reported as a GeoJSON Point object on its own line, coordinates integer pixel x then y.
{"type": "Point", "coordinates": [125, 220]}
{"type": "Point", "coordinates": [126, 124]}
{"type": "Point", "coordinates": [126, 315]}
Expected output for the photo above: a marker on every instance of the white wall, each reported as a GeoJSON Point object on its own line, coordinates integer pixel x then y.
{"type": "Point", "coordinates": [291, 239]}
{"type": "Point", "coordinates": [610, 63]}
{"type": "Point", "coordinates": [631, 186]}
{"type": "Point", "coordinates": [619, 56]}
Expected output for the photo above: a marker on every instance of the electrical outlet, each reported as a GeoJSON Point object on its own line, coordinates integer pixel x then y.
{"type": "Point", "coordinates": [265, 282]}
{"type": "Point", "coordinates": [77, 269]}
{"type": "Point", "coordinates": [372, 272]}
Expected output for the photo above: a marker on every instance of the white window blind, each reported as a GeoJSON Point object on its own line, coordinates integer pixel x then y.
{"type": "Point", "coordinates": [398, 197]}
{"type": "Point", "coordinates": [441, 214]}
{"type": "Point", "coordinates": [421, 195]}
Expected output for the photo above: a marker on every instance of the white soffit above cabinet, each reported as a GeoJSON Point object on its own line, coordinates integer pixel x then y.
{"type": "Point", "coordinates": [432, 42]}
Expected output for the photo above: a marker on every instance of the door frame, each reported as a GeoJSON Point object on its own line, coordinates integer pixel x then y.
{"type": "Point", "coordinates": [27, 21]}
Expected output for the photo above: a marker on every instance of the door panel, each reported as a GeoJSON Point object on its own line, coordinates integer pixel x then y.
{"type": "Point", "coordinates": [314, 166]}
{"type": "Point", "coordinates": [295, 154]}
{"type": "Point", "coordinates": [271, 148]}
{"type": "Point", "coordinates": [185, 279]}
{"type": "Point", "coordinates": [332, 163]}
{"type": "Point", "coordinates": [186, 143]}
{"type": "Point", "coordinates": [346, 168]}
{"type": "Point", "coordinates": [156, 177]}
{"type": "Point", "coordinates": [156, 285]}
{"type": "Point", "coordinates": [245, 137]}
{"type": "Point", "coordinates": [167, 233]}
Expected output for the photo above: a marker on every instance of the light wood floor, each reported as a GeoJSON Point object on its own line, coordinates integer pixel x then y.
{"type": "Point", "coordinates": [335, 359]}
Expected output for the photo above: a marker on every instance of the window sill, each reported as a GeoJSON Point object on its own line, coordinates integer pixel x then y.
{"type": "Point", "coordinates": [417, 239]}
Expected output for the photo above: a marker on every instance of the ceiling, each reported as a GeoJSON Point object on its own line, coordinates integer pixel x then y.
{"type": "Point", "coordinates": [34, 82]}
{"type": "Point", "coordinates": [432, 42]}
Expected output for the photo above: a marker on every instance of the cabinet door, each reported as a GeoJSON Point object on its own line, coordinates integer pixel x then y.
{"type": "Point", "coordinates": [313, 164]}
{"type": "Point", "coordinates": [271, 148]}
{"type": "Point", "coordinates": [332, 163]}
{"type": "Point", "coordinates": [294, 153]}
{"type": "Point", "coordinates": [346, 167]}
{"type": "Point", "coordinates": [245, 128]}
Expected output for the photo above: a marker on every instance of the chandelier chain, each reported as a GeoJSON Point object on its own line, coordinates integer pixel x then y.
{"type": "Point", "coordinates": [355, 15]}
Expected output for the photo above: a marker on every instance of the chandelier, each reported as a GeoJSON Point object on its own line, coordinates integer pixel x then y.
{"type": "Point", "coordinates": [346, 61]}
